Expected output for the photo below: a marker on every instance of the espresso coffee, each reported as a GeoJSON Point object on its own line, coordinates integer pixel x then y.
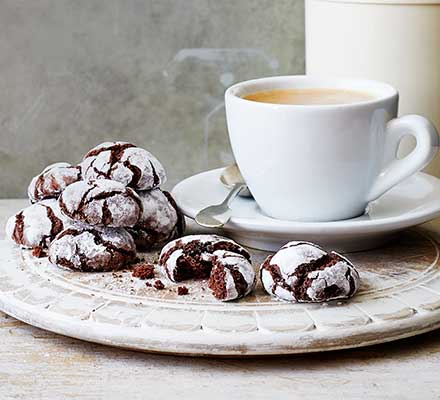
{"type": "Point", "coordinates": [316, 96]}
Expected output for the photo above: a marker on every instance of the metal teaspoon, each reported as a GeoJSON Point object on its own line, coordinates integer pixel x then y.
{"type": "Point", "coordinates": [217, 215]}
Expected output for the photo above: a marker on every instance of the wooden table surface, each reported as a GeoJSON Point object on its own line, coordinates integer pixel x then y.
{"type": "Point", "coordinates": [37, 364]}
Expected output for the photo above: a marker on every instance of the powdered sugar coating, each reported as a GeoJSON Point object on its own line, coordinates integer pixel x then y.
{"type": "Point", "coordinates": [334, 275]}
{"type": "Point", "coordinates": [198, 248]}
{"type": "Point", "coordinates": [160, 220]}
{"type": "Point", "coordinates": [158, 213]}
{"type": "Point", "coordinates": [86, 248]}
{"type": "Point", "coordinates": [37, 224]}
{"type": "Point", "coordinates": [101, 203]}
{"type": "Point", "coordinates": [275, 290]}
{"type": "Point", "coordinates": [303, 272]}
{"type": "Point", "coordinates": [52, 181]}
{"type": "Point", "coordinates": [203, 239]}
{"type": "Point", "coordinates": [296, 253]}
{"type": "Point", "coordinates": [288, 258]}
{"type": "Point", "coordinates": [228, 262]}
{"type": "Point", "coordinates": [123, 162]}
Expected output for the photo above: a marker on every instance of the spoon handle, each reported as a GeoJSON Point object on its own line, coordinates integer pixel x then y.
{"type": "Point", "coordinates": [217, 215]}
{"type": "Point", "coordinates": [236, 189]}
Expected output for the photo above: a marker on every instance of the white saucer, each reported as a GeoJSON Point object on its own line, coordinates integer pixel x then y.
{"type": "Point", "coordinates": [413, 202]}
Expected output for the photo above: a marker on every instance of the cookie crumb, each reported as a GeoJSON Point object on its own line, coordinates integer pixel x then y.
{"type": "Point", "coordinates": [38, 252]}
{"type": "Point", "coordinates": [159, 285]}
{"type": "Point", "coordinates": [144, 271]}
{"type": "Point", "coordinates": [148, 284]}
{"type": "Point", "coordinates": [182, 290]}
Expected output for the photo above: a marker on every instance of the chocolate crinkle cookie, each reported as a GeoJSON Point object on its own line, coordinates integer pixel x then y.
{"type": "Point", "coordinates": [52, 181]}
{"type": "Point", "coordinates": [123, 162]}
{"type": "Point", "coordinates": [191, 256]}
{"type": "Point", "coordinates": [160, 221]}
{"type": "Point", "coordinates": [101, 203]}
{"type": "Point", "coordinates": [303, 272]}
{"type": "Point", "coordinates": [87, 248]}
{"type": "Point", "coordinates": [36, 225]}
{"type": "Point", "coordinates": [232, 276]}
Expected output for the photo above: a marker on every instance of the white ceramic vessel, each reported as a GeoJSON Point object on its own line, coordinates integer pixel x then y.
{"type": "Point", "coordinates": [395, 41]}
{"type": "Point", "coordinates": [412, 202]}
{"type": "Point", "coordinates": [322, 162]}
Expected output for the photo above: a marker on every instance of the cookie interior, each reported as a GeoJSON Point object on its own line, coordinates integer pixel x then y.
{"type": "Point", "coordinates": [217, 280]}
{"type": "Point", "coordinates": [196, 258]}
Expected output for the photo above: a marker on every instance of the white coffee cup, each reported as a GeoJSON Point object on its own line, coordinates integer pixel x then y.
{"type": "Point", "coordinates": [323, 162]}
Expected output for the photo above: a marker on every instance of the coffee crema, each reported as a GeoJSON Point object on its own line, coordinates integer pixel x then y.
{"type": "Point", "coordinates": [309, 96]}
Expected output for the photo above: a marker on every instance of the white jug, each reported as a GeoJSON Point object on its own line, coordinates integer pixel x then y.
{"type": "Point", "coordinates": [396, 41]}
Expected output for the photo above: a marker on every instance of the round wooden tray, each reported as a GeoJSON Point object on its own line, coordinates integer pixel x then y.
{"type": "Point", "coordinates": [399, 297]}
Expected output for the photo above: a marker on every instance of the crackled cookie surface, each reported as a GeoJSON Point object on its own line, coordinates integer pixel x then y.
{"type": "Point", "coordinates": [160, 220]}
{"type": "Point", "coordinates": [303, 272]}
{"type": "Point", "coordinates": [191, 256]}
{"type": "Point", "coordinates": [52, 181]}
{"type": "Point", "coordinates": [101, 203]}
{"type": "Point", "coordinates": [123, 162]}
{"type": "Point", "coordinates": [88, 248]}
{"type": "Point", "coordinates": [232, 276]}
{"type": "Point", "coordinates": [36, 225]}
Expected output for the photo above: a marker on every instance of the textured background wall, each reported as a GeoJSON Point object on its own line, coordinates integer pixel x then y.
{"type": "Point", "coordinates": [74, 73]}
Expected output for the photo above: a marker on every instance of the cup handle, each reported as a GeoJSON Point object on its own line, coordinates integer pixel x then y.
{"type": "Point", "coordinates": [398, 169]}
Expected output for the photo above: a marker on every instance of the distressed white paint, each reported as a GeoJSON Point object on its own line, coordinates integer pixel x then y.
{"type": "Point", "coordinates": [53, 366]}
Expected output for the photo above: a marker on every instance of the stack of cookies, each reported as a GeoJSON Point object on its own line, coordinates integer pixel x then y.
{"type": "Point", "coordinates": [94, 216]}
